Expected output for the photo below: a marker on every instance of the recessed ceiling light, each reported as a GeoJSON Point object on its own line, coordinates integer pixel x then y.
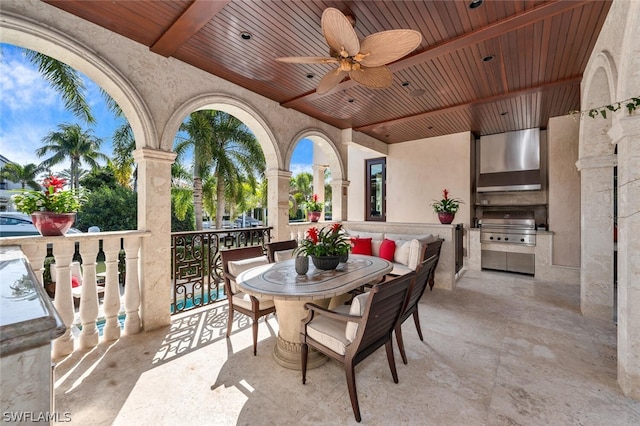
{"type": "Point", "coordinates": [351, 100]}
{"type": "Point", "coordinates": [311, 75]}
{"type": "Point", "coordinates": [405, 83]}
{"type": "Point", "coordinates": [504, 113]}
{"type": "Point", "coordinates": [475, 3]}
{"type": "Point", "coordinates": [245, 35]}
{"type": "Point", "coordinates": [430, 128]}
{"type": "Point", "coordinates": [488, 58]}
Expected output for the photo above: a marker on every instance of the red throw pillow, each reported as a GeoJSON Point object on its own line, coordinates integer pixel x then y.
{"type": "Point", "coordinates": [361, 246]}
{"type": "Point", "coordinates": [75, 282]}
{"type": "Point", "coordinates": [387, 249]}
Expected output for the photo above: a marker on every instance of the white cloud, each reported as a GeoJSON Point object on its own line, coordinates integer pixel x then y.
{"type": "Point", "coordinates": [23, 88]}
{"type": "Point", "coordinates": [298, 168]}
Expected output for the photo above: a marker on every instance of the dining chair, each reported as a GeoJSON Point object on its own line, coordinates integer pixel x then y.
{"type": "Point", "coordinates": [280, 250]}
{"type": "Point", "coordinates": [417, 289]}
{"type": "Point", "coordinates": [235, 261]}
{"type": "Point", "coordinates": [433, 249]}
{"type": "Point", "coordinates": [350, 337]}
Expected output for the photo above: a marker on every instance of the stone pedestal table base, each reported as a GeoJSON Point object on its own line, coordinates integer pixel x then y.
{"type": "Point", "coordinates": [288, 349]}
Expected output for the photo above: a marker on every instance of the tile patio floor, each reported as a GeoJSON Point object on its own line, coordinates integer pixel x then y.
{"type": "Point", "coordinates": [501, 349]}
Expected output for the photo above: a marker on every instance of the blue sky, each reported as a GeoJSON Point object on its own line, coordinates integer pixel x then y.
{"type": "Point", "coordinates": [30, 109]}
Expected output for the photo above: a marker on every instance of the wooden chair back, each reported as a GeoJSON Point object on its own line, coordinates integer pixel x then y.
{"type": "Point", "coordinates": [382, 312]}
{"type": "Point", "coordinates": [236, 254]}
{"type": "Point", "coordinates": [278, 246]}
{"type": "Point", "coordinates": [433, 249]}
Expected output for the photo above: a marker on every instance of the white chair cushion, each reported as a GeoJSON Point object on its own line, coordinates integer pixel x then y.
{"type": "Point", "coordinates": [243, 300]}
{"type": "Point", "coordinates": [236, 267]}
{"type": "Point", "coordinates": [282, 255]}
{"type": "Point", "coordinates": [357, 308]}
{"type": "Point", "coordinates": [329, 332]}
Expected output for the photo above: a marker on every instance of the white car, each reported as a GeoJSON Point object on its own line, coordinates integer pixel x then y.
{"type": "Point", "coordinates": [14, 224]}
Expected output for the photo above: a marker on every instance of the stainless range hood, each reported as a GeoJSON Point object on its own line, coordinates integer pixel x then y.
{"type": "Point", "coordinates": [510, 162]}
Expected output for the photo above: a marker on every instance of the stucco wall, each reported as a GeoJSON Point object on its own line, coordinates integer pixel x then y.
{"type": "Point", "coordinates": [421, 169]}
{"type": "Point", "coordinates": [417, 172]}
{"type": "Point", "coordinates": [564, 190]}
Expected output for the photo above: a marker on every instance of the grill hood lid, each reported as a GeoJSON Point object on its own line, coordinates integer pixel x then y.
{"type": "Point", "coordinates": [510, 162]}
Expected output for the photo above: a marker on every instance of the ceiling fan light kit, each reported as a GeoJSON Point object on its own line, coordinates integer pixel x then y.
{"type": "Point", "coordinates": [364, 62]}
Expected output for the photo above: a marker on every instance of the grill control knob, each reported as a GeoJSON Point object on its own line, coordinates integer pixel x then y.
{"type": "Point", "coordinates": [498, 238]}
{"type": "Point", "coordinates": [491, 238]}
{"type": "Point", "coordinates": [506, 239]}
{"type": "Point", "coordinates": [522, 240]}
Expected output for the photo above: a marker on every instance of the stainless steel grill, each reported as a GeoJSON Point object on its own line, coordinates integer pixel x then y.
{"type": "Point", "coordinates": [510, 227]}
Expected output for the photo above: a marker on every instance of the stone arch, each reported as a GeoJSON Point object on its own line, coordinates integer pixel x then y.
{"type": "Point", "coordinates": [599, 88]}
{"type": "Point", "coordinates": [333, 161]}
{"type": "Point", "coordinates": [57, 45]}
{"type": "Point", "coordinates": [236, 107]}
{"type": "Point", "coordinates": [327, 146]}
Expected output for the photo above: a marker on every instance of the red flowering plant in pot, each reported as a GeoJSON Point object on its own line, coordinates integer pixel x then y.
{"type": "Point", "coordinates": [327, 246]}
{"type": "Point", "coordinates": [314, 208]}
{"type": "Point", "coordinates": [52, 210]}
{"type": "Point", "coordinates": [446, 207]}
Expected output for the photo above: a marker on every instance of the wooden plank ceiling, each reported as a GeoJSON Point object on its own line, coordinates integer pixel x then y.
{"type": "Point", "coordinates": [539, 49]}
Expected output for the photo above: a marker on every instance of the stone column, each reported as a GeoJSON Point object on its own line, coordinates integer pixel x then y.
{"type": "Point", "coordinates": [339, 199]}
{"type": "Point", "coordinates": [626, 133]}
{"type": "Point", "coordinates": [154, 215]}
{"type": "Point", "coordinates": [278, 203]}
{"type": "Point", "coordinates": [596, 226]}
{"type": "Point", "coordinates": [318, 183]}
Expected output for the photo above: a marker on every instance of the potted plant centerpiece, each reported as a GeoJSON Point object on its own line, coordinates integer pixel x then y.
{"type": "Point", "coordinates": [327, 247]}
{"type": "Point", "coordinates": [314, 208]}
{"type": "Point", "coordinates": [446, 207]}
{"type": "Point", "coordinates": [52, 210]}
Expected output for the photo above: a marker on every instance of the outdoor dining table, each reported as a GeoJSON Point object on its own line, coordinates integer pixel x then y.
{"type": "Point", "coordinates": [291, 291]}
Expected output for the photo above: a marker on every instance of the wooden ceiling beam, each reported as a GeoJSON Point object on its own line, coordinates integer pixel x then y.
{"type": "Point", "coordinates": [190, 22]}
{"type": "Point", "coordinates": [498, 98]}
{"type": "Point", "coordinates": [493, 30]}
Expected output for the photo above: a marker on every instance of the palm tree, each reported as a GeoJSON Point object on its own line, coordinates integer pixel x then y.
{"type": "Point", "coordinates": [74, 143]}
{"type": "Point", "coordinates": [66, 81]}
{"type": "Point", "coordinates": [25, 175]}
{"type": "Point", "coordinates": [123, 146]}
{"type": "Point", "coordinates": [227, 150]}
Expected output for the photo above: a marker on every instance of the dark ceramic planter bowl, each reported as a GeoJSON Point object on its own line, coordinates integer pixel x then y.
{"type": "Point", "coordinates": [326, 262]}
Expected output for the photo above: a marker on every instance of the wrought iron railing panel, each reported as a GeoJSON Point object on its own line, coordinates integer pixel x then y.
{"type": "Point", "coordinates": [197, 267]}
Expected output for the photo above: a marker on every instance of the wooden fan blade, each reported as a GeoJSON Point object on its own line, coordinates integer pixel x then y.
{"type": "Point", "coordinates": [339, 32]}
{"type": "Point", "coordinates": [330, 81]}
{"type": "Point", "coordinates": [308, 60]}
{"type": "Point", "coordinates": [376, 78]}
{"type": "Point", "coordinates": [388, 46]}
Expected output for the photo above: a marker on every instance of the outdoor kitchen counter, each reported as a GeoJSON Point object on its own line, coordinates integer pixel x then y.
{"type": "Point", "coordinates": [543, 250]}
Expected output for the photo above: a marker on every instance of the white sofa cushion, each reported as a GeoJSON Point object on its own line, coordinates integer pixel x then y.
{"type": "Point", "coordinates": [403, 249]}
{"type": "Point", "coordinates": [399, 269]}
{"type": "Point", "coordinates": [236, 267]}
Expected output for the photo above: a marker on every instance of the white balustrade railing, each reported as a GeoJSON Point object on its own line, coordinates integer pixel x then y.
{"type": "Point", "coordinates": [63, 249]}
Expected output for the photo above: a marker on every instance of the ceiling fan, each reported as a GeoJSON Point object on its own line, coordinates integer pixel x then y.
{"type": "Point", "coordinates": [364, 62]}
